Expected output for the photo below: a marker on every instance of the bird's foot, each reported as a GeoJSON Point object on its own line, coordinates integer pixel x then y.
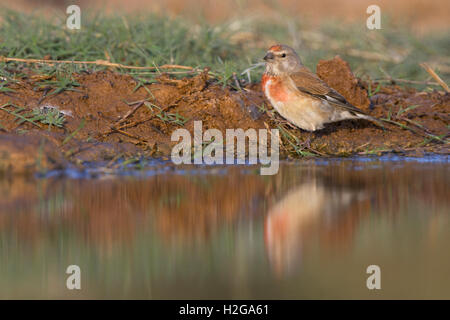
{"type": "Point", "coordinates": [307, 142]}
{"type": "Point", "coordinates": [290, 125]}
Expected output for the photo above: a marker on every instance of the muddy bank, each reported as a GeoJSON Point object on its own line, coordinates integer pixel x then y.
{"type": "Point", "coordinates": [109, 116]}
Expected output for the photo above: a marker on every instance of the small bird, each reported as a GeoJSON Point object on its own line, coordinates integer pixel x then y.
{"type": "Point", "coordinates": [300, 96]}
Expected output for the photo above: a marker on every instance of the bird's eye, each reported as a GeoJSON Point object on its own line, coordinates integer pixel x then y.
{"type": "Point", "coordinates": [283, 55]}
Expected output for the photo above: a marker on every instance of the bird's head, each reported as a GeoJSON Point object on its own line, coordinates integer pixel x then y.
{"type": "Point", "coordinates": [281, 59]}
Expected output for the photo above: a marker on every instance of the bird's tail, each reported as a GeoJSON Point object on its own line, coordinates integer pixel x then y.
{"type": "Point", "coordinates": [376, 121]}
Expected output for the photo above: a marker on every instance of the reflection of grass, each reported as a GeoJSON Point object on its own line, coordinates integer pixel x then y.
{"type": "Point", "coordinates": [155, 40]}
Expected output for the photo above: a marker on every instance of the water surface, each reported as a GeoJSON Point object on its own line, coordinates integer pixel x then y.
{"type": "Point", "coordinates": [217, 233]}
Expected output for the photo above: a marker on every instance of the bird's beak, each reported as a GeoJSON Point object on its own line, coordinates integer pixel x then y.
{"type": "Point", "coordinates": [269, 56]}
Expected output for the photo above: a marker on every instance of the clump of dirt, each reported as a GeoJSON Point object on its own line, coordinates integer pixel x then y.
{"type": "Point", "coordinates": [337, 74]}
{"type": "Point", "coordinates": [111, 115]}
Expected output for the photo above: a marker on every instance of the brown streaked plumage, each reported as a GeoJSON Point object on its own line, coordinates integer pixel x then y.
{"type": "Point", "coordinates": [300, 96]}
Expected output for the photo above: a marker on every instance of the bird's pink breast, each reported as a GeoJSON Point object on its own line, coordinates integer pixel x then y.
{"type": "Point", "coordinates": [274, 88]}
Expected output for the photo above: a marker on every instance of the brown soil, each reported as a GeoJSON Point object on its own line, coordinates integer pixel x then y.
{"type": "Point", "coordinates": [101, 102]}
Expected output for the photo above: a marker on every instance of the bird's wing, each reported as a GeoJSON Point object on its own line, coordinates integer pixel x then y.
{"type": "Point", "coordinates": [307, 82]}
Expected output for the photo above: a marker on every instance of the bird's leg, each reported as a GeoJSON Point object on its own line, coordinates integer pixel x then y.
{"type": "Point", "coordinates": [286, 122]}
{"type": "Point", "coordinates": [307, 142]}
{"type": "Point", "coordinates": [291, 125]}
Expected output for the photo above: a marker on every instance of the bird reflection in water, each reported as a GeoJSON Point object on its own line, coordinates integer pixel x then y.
{"type": "Point", "coordinates": [312, 211]}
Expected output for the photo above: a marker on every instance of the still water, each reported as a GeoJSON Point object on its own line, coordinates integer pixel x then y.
{"type": "Point", "coordinates": [310, 231]}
